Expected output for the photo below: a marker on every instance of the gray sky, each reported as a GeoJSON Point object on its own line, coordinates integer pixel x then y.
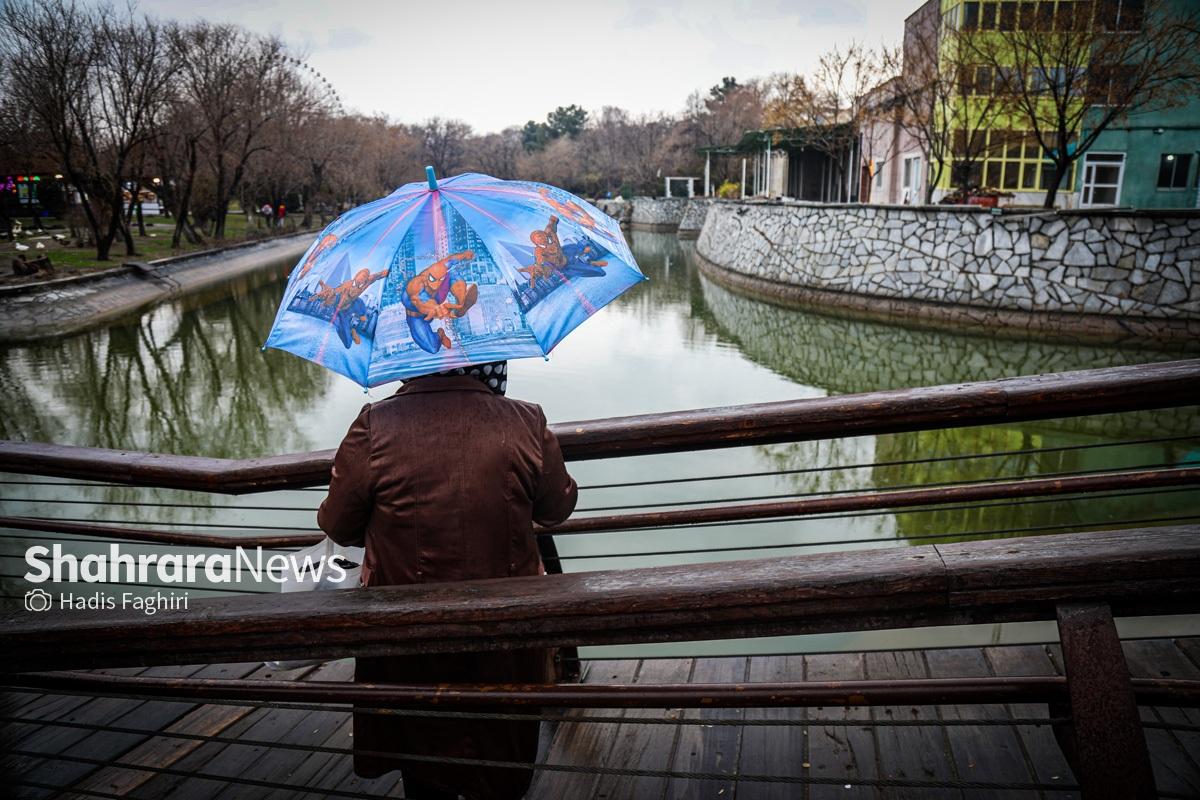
{"type": "Point", "coordinates": [501, 62]}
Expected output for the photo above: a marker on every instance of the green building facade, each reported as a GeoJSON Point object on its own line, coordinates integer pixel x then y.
{"type": "Point", "coordinates": [1145, 160]}
{"type": "Point", "coordinates": [1150, 160]}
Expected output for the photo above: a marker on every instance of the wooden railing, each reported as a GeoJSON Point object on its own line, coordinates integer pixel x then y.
{"type": "Point", "coordinates": [1080, 580]}
{"type": "Point", "coordinates": [1037, 397]}
{"type": "Point", "coordinates": [1150, 570]}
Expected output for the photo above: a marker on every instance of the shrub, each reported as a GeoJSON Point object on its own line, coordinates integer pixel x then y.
{"type": "Point", "coordinates": [729, 190]}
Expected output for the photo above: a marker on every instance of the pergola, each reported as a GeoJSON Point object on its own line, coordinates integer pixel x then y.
{"type": "Point", "coordinates": [809, 142]}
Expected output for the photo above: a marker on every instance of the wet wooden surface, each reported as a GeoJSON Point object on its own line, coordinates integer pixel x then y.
{"type": "Point", "coordinates": [816, 746]}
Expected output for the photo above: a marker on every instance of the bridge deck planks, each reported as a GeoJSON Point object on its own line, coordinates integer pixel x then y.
{"type": "Point", "coordinates": [1000, 753]}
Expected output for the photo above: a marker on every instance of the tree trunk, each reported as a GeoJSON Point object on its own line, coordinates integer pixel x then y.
{"type": "Point", "coordinates": [88, 214]}
{"type": "Point", "coordinates": [222, 204]}
{"type": "Point", "coordinates": [125, 217]}
{"type": "Point", "coordinates": [1060, 172]}
{"type": "Point", "coordinates": [185, 197]}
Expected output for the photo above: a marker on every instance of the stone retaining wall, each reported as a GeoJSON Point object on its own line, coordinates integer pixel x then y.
{"type": "Point", "coordinates": [657, 213]}
{"type": "Point", "coordinates": [693, 218]}
{"type": "Point", "coordinates": [1114, 265]}
{"type": "Point", "coordinates": [618, 209]}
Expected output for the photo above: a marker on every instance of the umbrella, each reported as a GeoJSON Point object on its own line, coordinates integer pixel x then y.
{"type": "Point", "coordinates": [443, 274]}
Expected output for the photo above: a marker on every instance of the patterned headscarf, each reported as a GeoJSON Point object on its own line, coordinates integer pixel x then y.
{"type": "Point", "coordinates": [494, 374]}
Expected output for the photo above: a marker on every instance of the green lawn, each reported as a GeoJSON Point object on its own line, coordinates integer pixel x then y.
{"type": "Point", "coordinates": [68, 259]}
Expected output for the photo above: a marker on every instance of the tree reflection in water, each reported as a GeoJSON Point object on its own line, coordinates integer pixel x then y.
{"type": "Point", "coordinates": [186, 377]}
{"type": "Point", "coordinates": [846, 355]}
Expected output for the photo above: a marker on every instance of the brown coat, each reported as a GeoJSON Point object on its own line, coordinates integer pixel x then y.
{"type": "Point", "coordinates": [442, 482]}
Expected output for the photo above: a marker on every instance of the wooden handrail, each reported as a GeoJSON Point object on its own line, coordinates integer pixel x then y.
{"type": "Point", "coordinates": [1117, 480]}
{"type": "Point", "coordinates": [759, 694]}
{"type": "Point", "coordinates": [1066, 394]}
{"type": "Point", "coordinates": [1148, 570]}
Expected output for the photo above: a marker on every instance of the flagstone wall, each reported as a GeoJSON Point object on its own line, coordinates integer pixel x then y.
{"type": "Point", "coordinates": [657, 213]}
{"type": "Point", "coordinates": [694, 214]}
{"type": "Point", "coordinates": [1115, 264]}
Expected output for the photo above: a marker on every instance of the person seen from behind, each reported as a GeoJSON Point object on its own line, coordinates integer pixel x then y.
{"type": "Point", "coordinates": [443, 481]}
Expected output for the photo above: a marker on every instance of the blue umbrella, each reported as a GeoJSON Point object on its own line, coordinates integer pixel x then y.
{"type": "Point", "coordinates": [444, 274]}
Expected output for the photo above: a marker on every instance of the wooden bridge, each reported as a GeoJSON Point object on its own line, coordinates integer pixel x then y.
{"type": "Point", "coordinates": [178, 704]}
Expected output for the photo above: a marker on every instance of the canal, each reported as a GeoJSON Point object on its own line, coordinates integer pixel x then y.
{"type": "Point", "coordinates": [189, 377]}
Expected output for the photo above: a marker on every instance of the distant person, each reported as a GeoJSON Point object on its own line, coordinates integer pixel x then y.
{"type": "Point", "coordinates": [282, 214]}
{"type": "Point", "coordinates": [443, 481]}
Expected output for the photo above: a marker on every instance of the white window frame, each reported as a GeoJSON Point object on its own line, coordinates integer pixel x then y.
{"type": "Point", "coordinates": [1120, 185]}
{"type": "Point", "coordinates": [910, 180]}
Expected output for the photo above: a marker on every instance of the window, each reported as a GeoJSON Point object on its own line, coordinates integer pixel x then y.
{"type": "Point", "coordinates": [987, 17]}
{"type": "Point", "coordinates": [1008, 79]}
{"type": "Point", "coordinates": [1109, 86]}
{"type": "Point", "coordinates": [1173, 170]}
{"type": "Point", "coordinates": [968, 173]}
{"type": "Point", "coordinates": [1103, 174]}
{"type": "Point", "coordinates": [1028, 16]}
{"type": "Point", "coordinates": [1064, 15]}
{"type": "Point", "coordinates": [1008, 15]}
{"type": "Point", "coordinates": [970, 16]}
{"type": "Point", "coordinates": [911, 183]}
{"type": "Point", "coordinates": [983, 80]}
{"type": "Point", "coordinates": [1121, 15]}
{"type": "Point", "coordinates": [1045, 16]}
{"type": "Point", "coordinates": [1002, 159]}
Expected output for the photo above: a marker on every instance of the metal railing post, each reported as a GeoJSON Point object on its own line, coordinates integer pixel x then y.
{"type": "Point", "coordinates": [1105, 743]}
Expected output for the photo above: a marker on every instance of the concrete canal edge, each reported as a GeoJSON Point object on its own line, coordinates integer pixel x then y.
{"type": "Point", "coordinates": [62, 307]}
{"type": "Point", "coordinates": [1116, 277]}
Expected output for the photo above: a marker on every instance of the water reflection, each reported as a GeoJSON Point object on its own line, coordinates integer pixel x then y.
{"type": "Point", "coordinates": [185, 377]}
{"type": "Point", "coordinates": [848, 355]}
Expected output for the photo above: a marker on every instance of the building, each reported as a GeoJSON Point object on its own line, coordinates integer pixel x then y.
{"type": "Point", "coordinates": [1149, 160]}
{"type": "Point", "coordinates": [1146, 160]}
{"type": "Point", "coordinates": [815, 164]}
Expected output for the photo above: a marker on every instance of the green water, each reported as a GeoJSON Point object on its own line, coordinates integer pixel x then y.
{"type": "Point", "coordinates": [189, 378]}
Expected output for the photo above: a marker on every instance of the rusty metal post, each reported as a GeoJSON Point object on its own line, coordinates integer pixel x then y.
{"type": "Point", "coordinates": [1110, 759]}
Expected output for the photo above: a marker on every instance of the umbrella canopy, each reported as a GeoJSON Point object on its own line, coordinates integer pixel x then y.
{"type": "Point", "coordinates": [449, 273]}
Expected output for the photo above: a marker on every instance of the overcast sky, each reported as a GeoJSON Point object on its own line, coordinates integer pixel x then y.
{"type": "Point", "coordinates": [496, 63]}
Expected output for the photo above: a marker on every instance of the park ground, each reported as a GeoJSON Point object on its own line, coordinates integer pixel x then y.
{"type": "Point", "coordinates": [67, 258]}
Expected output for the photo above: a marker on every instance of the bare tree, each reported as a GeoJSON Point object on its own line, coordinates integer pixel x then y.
{"type": "Point", "coordinates": [879, 135]}
{"type": "Point", "coordinates": [947, 100]}
{"type": "Point", "coordinates": [1068, 72]}
{"type": "Point", "coordinates": [238, 83]}
{"type": "Point", "coordinates": [94, 81]}
{"type": "Point", "coordinates": [830, 104]}
{"type": "Point", "coordinates": [445, 143]}
{"type": "Point", "coordinates": [722, 116]}
{"type": "Point", "coordinates": [497, 154]}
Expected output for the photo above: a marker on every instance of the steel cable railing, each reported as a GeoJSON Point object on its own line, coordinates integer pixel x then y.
{"type": "Point", "coordinates": [913, 539]}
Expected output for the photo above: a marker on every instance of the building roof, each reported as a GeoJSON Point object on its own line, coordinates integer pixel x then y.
{"type": "Point", "coordinates": [785, 138]}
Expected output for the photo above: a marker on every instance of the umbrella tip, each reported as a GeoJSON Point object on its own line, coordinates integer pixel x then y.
{"type": "Point", "coordinates": [429, 176]}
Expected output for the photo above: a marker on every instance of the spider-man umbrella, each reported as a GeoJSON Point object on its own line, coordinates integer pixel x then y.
{"type": "Point", "coordinates": [444, 274]}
